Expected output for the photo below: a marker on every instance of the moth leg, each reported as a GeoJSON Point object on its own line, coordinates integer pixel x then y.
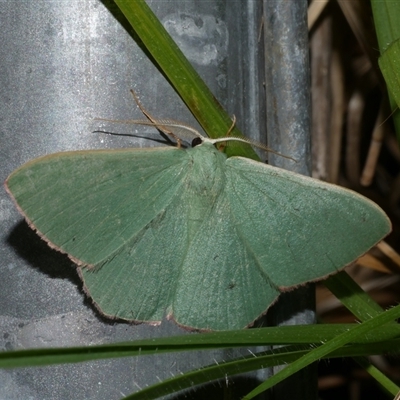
{"type": "Point", "coordinates": [155, 121]}
{"type": "Point", "coordinates": [222, 146]}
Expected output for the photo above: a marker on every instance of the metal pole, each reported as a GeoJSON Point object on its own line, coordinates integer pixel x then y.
{"type": "Point", "coordinates": [64, 64]}
{"type": "Point", "coordinates": [287, 80]}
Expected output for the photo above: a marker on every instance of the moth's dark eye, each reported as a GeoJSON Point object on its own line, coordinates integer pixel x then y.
{"type": "Point", "coordinates": [196, 141]}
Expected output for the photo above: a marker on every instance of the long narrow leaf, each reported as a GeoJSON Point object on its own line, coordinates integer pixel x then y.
{"type": "Point", "coordinates": [283, 335]}
{"type": "Point", "coordinates": [381, 378]}
{"type": "Point", "coordinates": [363, 307]}
{"type": "Point", "coordinates": [389, 62]}
{"type": "Point", "coordinates": [352, 296]}
{"type": "Point", "coordinates": [387, 24]}
{"type": "Point", "coordinates": [327, 348]}
{"type": "Point", "coordinates": [280, 356]}
{"type": "Point", "coordinates": [186, 81]}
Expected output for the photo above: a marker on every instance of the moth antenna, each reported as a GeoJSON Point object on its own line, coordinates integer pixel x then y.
{"type": "Point", "coordinates": [232, 126]}
{"type": "Point", "coordinates": [164, 125]}
{"type": "Point", "coordinates": [252, 143]}
{"type": "Point", "coordinates": [176, 129]}
{"type": "Point", "coordinates": [183, 130]}
{"type": "Point", "coordinates": [229, 131]}
{"type": "Point", "coordinates": [247, 140]}
{"type": "Point", "coordinates": [154, 121]}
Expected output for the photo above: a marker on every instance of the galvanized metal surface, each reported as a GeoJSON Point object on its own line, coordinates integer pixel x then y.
{"type": "Point", "coordinates": [63, 64]}
{"type": "Point", "coordinates": [289, 130]}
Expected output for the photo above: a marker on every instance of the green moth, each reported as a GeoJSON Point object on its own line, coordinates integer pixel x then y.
{"type": "Point", "coordinates": [209, 241]}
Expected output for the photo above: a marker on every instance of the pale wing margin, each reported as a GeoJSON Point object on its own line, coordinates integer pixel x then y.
{"type": "Point", "coordinates": [138, 283]}
{"type": "Point", "coordinates": [300, 229]}
{"type": "Point", "coordinates": [90, 203]}
{"type": "Point", "coordinates": [220, 275]}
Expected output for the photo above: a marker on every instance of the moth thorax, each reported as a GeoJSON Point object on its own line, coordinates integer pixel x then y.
{"type": "Point", "coordinates": [205, 182]}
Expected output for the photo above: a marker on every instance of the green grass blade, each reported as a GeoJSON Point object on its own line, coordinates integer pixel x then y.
{"type": "Point", "coordinates": [327, 348]}
{"type": "Point", "coordinates": [257, 361]}
{"type": "Point", "coordinates": [387, 24]}
{"type": "Point", "coordinates": [215, 372]}
{"type": "Point", "coordinates": [186, 81]}
{"type": "Point", "coordinates": [381, 378]}
{"type": "Point", "coordinates": [304, 337]}
{"type": "Point", "coordinates": [363, 307]}
{"type": "Point", "coordinates": [387, 21]}
{"type": "Point", "coordinates": [389, 63]}
{"type": "Point", "coordinates": [283, 335]}
{"type": "Point", "coordinates": [352, 296]}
